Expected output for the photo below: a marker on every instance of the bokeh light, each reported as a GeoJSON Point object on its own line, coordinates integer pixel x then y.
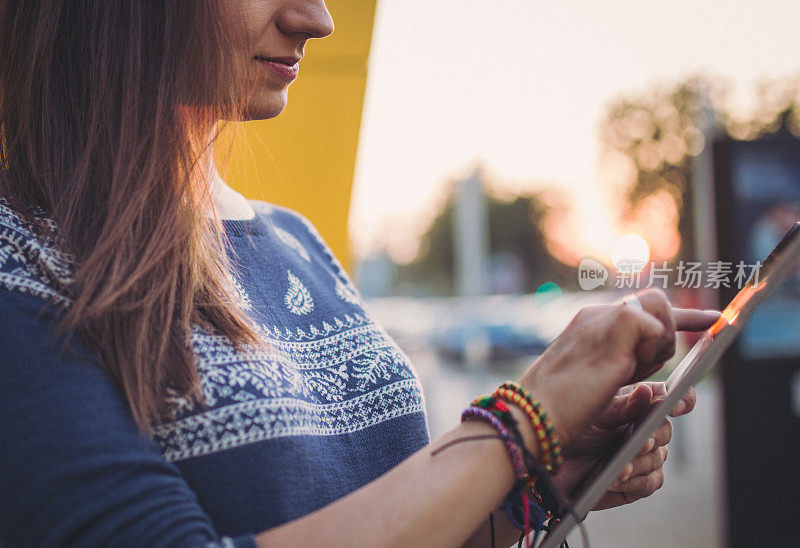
{"type": "Point", "coordinates": [630, 253]}
{"type": "Point", "coordinates": [547, 293]}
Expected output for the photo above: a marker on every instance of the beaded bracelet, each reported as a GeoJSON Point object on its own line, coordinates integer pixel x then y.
{"type": "Point", "coordinates": [525, 393]}
{"type": "Point", "coordinates": [546, 431]}
{"type": "Point", "coordinates": [545, 434]}
{"type": "Point", "coordinates": [533, 413]}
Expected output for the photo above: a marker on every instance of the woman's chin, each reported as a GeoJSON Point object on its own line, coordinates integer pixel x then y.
{"type": "Point", "coordinates": [266, 106]}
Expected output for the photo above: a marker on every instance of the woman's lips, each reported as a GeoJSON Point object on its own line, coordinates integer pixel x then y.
{"type": "Point", "coordinates": [285, 67]}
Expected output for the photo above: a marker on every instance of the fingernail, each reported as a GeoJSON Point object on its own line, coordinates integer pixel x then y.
{"type": "Point", "coordinates": [626, 473]}
{"type": "Point", "coordinates": [650, 444]}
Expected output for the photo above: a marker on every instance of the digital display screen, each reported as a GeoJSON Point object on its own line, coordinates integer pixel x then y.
{"type": "Point", "coordinates": [765, 179]}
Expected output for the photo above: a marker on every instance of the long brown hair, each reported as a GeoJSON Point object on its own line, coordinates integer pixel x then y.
{"type": "Point", "coordinates": [96, 131]}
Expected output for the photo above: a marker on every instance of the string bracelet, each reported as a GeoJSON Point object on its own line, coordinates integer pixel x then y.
{"type": "Point", "coordinates": [499, 416]}
{"type": "Point", "coordinates": [551, 456]}
{"type": "Point", "coordinates": [538, 499]}
{"type": "Point", "coordinates": [514, 453]}
{"type": "Point", "coordinates": [497, 408]}
{"type": "Point", "coordinates": [554, 503]}
{"type": "Point", "coordinates": [533, 414]}
{"type": "Point", "coordinates": [549, 430]}
{"type": "Point", "coordinates": [526, 514]}
{"type": "Point", "coordinates": [544, 428]}
{"type": "Point", "coordinates": [500, 410]}
{"type": "Point", "coordinates": [534, 498]}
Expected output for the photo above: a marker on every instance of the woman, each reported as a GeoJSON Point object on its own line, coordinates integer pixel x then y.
{"type": "Point", "coordinates": [184, 367]}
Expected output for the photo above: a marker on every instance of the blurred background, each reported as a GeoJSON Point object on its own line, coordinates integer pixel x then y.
{"type": "Point", "coordinates": [466, 159]}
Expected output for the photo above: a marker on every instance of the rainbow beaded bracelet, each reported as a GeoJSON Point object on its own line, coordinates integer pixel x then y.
{"type": "Point", "coordinates": [551, 456]}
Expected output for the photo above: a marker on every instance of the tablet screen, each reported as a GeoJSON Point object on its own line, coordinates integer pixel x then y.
{"type": "Point", "coordinates": [772, 274]}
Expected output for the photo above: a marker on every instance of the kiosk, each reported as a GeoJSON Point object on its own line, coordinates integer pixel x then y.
{"type": "Point", "coordinates": [757, 188]}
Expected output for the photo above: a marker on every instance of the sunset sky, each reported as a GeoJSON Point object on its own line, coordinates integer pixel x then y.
{"type": "Point", "coordinates": [520, 85]}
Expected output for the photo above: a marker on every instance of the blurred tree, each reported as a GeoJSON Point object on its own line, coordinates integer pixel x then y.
{"type": "Point", "coordinates": [650, 141]}
{"type": "Point", "coordinates": [660, 132]}
{"type": "Point", "coordinates": [514, 230]}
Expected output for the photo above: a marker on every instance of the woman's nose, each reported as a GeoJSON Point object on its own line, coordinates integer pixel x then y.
{"type": "Point", "coordinates": [309, 17]}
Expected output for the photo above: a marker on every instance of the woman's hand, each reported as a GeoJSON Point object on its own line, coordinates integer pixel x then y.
{"type": "Point", "coordinates": [603, 348]}
{"type": "Point", "coordinates": [578, 381]}
{"type": "Point", "coordinates": [644, 475]}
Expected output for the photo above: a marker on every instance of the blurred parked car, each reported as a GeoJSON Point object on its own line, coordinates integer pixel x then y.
{"type": "Point", "coordinates": [474, 342]}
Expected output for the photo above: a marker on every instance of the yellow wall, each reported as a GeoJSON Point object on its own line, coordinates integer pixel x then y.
{"type": "Point", "coordinates": [305, 158]}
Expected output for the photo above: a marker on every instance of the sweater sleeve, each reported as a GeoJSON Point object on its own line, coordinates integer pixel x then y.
{"type": "Point", "coordinates": [74, 468]}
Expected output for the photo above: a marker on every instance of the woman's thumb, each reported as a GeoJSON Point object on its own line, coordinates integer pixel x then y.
{"type": "Point", "coordinates": [626, 408]}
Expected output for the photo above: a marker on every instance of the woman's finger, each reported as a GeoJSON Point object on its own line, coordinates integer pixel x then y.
{"type": "Point", "coordinates": [660, 438]}
{"type": "Point", "coordinates": [654, 441]}
{"type": "Point", "coordinates": [626, 407]}
{"type": "Point", "coordinates": [686, 404]}
{"type": "Point", "coordinates": [641, 486]}
{"type": "Point", "coordinates": [642, 465]}
{"type": "Point", "coordinates": [612, 499]}
{"type": "Point", "coordinates": [659, 391]}
{"type": "Point", "coordinates": [655, 302]}
{"type": "Point", "coordinates": [687, 319]}
{"type": "Point", "coordinates": [650, 462]}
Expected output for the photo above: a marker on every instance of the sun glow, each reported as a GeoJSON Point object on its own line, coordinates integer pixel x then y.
{"type": "Point", "coordinates": [630, 253]}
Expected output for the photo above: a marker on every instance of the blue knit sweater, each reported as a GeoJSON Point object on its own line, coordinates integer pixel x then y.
{"type": "Point", "coordinates": [331, 405]}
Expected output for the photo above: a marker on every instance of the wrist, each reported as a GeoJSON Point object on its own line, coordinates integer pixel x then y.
{"type": "Point", "coordinates": [531, 444]}
{"type": "Point", "coordinates": [493, 448]}
{"type": "Point", "coordinates": [526, 430]}
{"type": "Point", "coordinates": [549, 397]}
{"type": "Point", "coordinates": [546, 438]}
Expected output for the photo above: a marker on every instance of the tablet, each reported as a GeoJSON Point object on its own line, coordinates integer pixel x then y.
{"type": "Point", "coordinates": [703, 355]}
